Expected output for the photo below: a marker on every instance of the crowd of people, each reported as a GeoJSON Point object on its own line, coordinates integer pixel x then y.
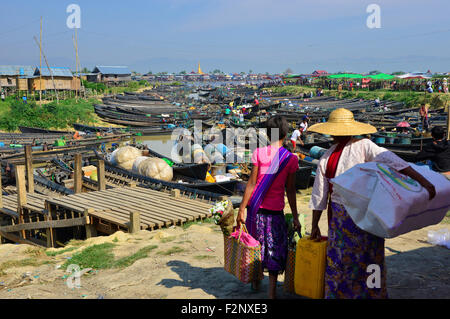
{"type": "Point", "coordinates": [438, 85]}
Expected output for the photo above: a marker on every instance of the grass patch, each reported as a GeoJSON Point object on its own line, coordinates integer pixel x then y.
{"type": "Point", "coordinates": [96, 256]}
{"type": "Point", "coordinates": [75, 242]}
{"type": "Point", "coordinates": [184, 242]}
{"type": "Point", "coordinates": [102, 257]}
{"type": "Point", "coordinates": [203, 257]}
{"type": "Point", "coordinates": [167, 239]}
{"type": "Point", "coordinates": [128, 261]}
{"type": "Point", "coordinates": [171, 251]}
{"type": "Point", "coordinates": [21, 263]}
{"type": "Point", "coordinates": [59, 252]}
{"type": "Point", "coordinates": [205, 221]}
{"type": "Point", "coordinates": [35, 251]}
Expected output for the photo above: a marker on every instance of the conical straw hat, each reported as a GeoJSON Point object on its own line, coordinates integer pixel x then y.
{"type": "Point", "coordinates": [342, 123]}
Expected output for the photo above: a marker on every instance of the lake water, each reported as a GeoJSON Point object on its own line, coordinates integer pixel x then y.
{"type": "Point", "coordinates": [160, 143]}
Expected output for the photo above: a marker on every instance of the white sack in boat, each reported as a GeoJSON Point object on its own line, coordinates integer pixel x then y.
{"type": "Point", "coordinates": [156, 168]}
{"type": "Point", "coordinates": [125, 156]}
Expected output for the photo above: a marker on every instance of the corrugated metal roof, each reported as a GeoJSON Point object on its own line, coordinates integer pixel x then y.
{"type": "Point", "coordinates": [57, 71]}
{"type": "Point", "coordinates": [25, 70]}
{"type": "Point", "coordinates": [111, 69]}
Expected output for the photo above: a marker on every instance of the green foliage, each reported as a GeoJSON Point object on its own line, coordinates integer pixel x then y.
{"type": "Point", "coordinates": [99, 87]}
{"type": "Point", "coordinates": [59, 252]}
{"type": "Point", "coordinates": [133, 85]}
{"type": "Point", "coordinates": [102, 257]}
{"type": "Point", "coordinates": [171, 251]}
{"type": "Point", "coordinates": [96, 257]}
{"type": "Point", "coordinates": [51, 115]}
{"type": "Point", "coordinates": [128, 261]}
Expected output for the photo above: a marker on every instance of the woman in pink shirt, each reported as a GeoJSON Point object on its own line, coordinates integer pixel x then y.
{"type": "Point", "coordinates": [273, 173]}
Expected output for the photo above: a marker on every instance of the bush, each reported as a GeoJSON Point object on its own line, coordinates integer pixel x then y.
{"type": "Point", "coordinates": [47, 116]}
{"type": "Point", "coordinates": [100, 87]}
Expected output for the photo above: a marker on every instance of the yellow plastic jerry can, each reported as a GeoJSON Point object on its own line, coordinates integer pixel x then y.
{"type": "Point", "coordinates": [310, 260]}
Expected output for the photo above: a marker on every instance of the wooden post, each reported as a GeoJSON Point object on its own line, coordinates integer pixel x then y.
{"type": "Point", "coordinates": [50, 232]}
{"type": "Point", "coordinates": [135, 222]}
{"type": "Point", "coordinates": [448, 122]}
{"type": "Point", "coordinates": [101, 175]}
{"type": "Point", "coordinates": [1, 191]}
{"type": "Point", "coordinates": [21, 193]}
{"type": "Point", "coordinates": [20, 185]}
{"type": "Point", "coordinates": [77, 174]}
{"type": "Point", "coordinates": [91, 231]}
{"type": "Point", "coordinates": [29, 168]}
{"type": "Point", "coordinates": [175, 193]}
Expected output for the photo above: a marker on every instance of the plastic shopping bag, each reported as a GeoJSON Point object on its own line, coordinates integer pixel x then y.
{"type": "Point", "coordinates": [386, 203]}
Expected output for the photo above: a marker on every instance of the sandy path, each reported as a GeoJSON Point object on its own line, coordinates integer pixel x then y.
{"type": "Point", "coordinates": [416, 269]}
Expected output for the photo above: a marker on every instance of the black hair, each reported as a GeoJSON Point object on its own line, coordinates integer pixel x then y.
{"type": "Point", "coordinates": [279, 123]}
{"type": "Point", "coordinates": [438, 132]}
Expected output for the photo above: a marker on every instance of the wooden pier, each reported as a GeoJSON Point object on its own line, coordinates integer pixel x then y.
{"type": "Point", "coordinates": [28, 217]}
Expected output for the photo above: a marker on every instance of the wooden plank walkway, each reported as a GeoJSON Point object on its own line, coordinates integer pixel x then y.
{"type": "Point", "coordinates": [111, 209]}
{"type": "Point", "coordinates": [35, 204]}
{"type": "Point", "coordinates": [128, 208]}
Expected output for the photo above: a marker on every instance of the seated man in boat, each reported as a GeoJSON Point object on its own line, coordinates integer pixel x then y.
{"type": "Point", "coordinates": [437, 151]}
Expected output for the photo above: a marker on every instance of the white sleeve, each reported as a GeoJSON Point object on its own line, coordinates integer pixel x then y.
{"type": "Point", "coordinates": [375, 153]}
{"type": "Point", "coordinates": [319, 195]}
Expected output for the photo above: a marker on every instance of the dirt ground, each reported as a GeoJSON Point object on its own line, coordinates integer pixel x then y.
{"type": "Point", "coordinates": [188, 263]}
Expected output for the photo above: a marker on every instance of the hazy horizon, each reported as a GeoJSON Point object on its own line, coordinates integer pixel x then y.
{"type": "Point", "coordinates": [232, 36]}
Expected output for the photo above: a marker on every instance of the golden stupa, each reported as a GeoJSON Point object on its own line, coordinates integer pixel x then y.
{"type": "Point", "coordinates": [199, 71]}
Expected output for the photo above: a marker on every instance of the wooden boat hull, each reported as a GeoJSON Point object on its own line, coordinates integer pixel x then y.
{"type": "Point", "coordinates": [224, 188]}
{"type": "Point", "coordinates": [26, 129]}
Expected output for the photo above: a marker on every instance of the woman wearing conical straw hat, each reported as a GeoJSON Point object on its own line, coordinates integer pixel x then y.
{"type": "Point", "coordinates": [350, 250]}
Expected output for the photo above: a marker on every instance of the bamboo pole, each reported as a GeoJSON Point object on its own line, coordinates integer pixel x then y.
{"type": "Point", "coordinates": [448, 122]}
{"type": "Point", "coordinates": [76, 59]}
{"type": "Point", "coordinates": [51, 73]}
{"type": "Point", "coordinates": [40, 66]}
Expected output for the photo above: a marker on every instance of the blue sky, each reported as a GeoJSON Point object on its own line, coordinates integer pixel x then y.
{"type": "Point", "coordinates": [232, 35]}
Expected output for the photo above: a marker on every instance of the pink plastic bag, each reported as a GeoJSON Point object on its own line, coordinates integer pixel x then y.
{"type": "Point", "coordinates": [246, 238]}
